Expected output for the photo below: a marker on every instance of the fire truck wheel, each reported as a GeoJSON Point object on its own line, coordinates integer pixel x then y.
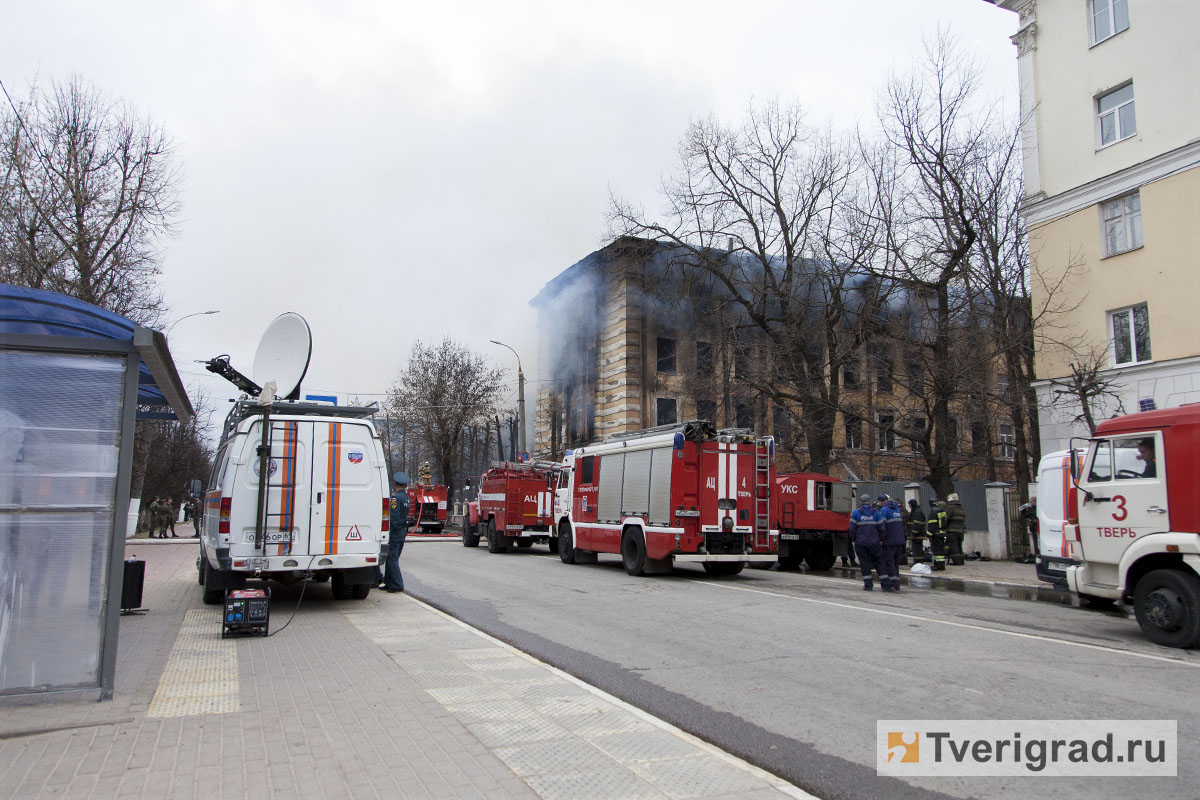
{"type": "Point", "coordinates": [724, 567]}
{"type": "Point", "coordinates": [470, 537]}
{"type": "Point", "coordinates": [633, 551]}
{"type": "Point", "coordinates": [820, 556]}
{"type": "Point", "coordinates": [524, 543]}
{"type": "Point", "coordinates": [1167, 605]}
{"type": "Point", "coordinates": [553, 543]}
{"type": "Point", "coordinates": [496, 543]}
{"type": "Point", "coordinates": [789, 562]}
{"type": "Point", "coordinates": [566, 546]}
{"type": "Point", "coordinates": [761, 565]}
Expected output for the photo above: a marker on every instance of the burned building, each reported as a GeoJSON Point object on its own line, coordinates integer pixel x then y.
{"type": "Point", "coordinates": [625, 343]}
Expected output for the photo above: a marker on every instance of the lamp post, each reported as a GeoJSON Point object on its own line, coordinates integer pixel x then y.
{"type": "Point", "coordinates": [188, 316]}
{"type": "Point", "coordinates": [520, 395]}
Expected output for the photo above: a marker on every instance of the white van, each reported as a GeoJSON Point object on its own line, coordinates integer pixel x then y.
{"type": "Point", "coordinates": [323, 511]}
{"type": "Point", "coordinates": [1053, 499]}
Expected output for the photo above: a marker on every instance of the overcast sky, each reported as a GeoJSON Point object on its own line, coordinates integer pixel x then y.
{"type": "Point", "coordinates": [397, 171]}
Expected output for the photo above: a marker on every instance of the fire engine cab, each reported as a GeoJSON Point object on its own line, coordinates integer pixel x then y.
{"type": "Point", "coordinates": [1135, 535]}
{"type": "Point", "coordinates": [675, 493]}
{"type": "Point", "coordinates": [515, 506]}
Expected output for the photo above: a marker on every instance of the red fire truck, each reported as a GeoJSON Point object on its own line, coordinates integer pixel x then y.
{"type": "Point", "coordinates": [427, 505]}
{"type": "Point", "coordinates": [515, 505]}
{"type": "Point", "coordinates": [675, 493]}
{"type": "Point", "coordinates": [811, 512]}
{"type": "Point", "coordinates": [1133, 527]}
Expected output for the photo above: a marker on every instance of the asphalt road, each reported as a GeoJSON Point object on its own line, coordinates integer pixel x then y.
{"type": "Point", "coordinates": [791, 671]}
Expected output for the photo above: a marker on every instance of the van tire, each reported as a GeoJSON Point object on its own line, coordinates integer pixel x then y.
{"type": "Point", "coordinates": [211, 597]}
{"type": "Point", "coordinates": [1167, 605]}
{"type": "Point", "coordinates": [339, 588]}
{"type": "Point", "coordinates": [566, 544]}
{"type": "Point", "coordinates": [359, 591]}
{"type": "Point", "coordinates": [633, 551]}
{"type": "Point", "coordinates": [201, 566]}
{"type": "Point", "coordinates": [724, 567]}
{"type": "Point", "coordinates": [495, 543]}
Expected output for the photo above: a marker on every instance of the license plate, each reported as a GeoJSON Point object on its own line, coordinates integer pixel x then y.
{"type": "Point", "coordinates": [277, 537]}
{"type": "Point", "coordinates": [791, 536]}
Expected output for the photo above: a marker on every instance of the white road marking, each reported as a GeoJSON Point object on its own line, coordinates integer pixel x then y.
{"type": "Point", "coordinates": [950, 623]}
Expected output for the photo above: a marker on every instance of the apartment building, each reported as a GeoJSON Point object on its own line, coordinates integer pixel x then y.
{"type": "Point", "coordinates": [1110, 110]}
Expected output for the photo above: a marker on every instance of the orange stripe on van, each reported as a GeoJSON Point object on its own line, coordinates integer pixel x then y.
{"type": "Point", "coordinates": [287, 499]}
{"type": "Point", "coordinates": [332, 483]}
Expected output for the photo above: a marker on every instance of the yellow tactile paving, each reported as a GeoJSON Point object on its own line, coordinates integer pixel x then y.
{"type": "Point", "coordinates": [201, 674]}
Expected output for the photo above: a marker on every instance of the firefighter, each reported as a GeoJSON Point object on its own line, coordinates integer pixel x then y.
{"type": "Point", "coordinates": [864, 533]}
{"type": "Point", "coordinates": [956, 527]}
{"type": "Point", "coordinates": [916, 532]}
{"type": "Point", "coordinates": [393, 580]}
{"type": "Point", "coordinates": [891, 534]}
{"type": "Point", "coordinates": [936, 526]}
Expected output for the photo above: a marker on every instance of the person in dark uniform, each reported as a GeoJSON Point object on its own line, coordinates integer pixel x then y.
{"type": "Point", "coordinates": [393, 581]}
{"type": "Point", "coordinates": [956, 528]}
{"type": "Point", "coordinates": [864, 532]}
{"type": "Point", "coordinates": [916, 532]}
{"type": "Point", "coordinates": [891, 535]}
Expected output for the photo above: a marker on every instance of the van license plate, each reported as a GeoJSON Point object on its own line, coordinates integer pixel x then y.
{"type": "Point", "coordinates": [278, 537]}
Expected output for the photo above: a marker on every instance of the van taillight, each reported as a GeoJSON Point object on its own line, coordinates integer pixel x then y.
{"type": "Point", "coordinates": [226, 506]}
{"type": "Point", "coordinates": [386, 525]}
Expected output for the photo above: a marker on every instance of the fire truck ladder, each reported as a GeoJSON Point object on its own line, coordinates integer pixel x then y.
{"type": "Point", "coordinates": [281, 494]}
{"type": "Point", "coordinates": [762, 491]}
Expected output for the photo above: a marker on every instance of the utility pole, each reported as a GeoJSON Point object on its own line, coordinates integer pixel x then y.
{"type": "Point", "coordinates": [520, 397]}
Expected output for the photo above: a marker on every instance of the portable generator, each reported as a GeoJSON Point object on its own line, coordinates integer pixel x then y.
{"type": "Point", "coordinates": [247, 612]}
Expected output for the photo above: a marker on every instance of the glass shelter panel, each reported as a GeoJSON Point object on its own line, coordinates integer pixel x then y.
{"type": "Point", "coordinates": [60, 420]}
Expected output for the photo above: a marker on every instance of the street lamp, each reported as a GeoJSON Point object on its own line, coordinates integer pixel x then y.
{"type": "Point", "coordinates": [520, 395]}
{"type": "Point", "coordinates": [188, 316]}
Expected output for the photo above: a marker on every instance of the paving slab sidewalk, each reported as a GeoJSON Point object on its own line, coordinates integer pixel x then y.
{"type": "Point", "coordinates": [385, 697]}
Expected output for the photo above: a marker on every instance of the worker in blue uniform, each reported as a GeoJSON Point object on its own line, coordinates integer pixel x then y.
{"type": "Point", "coordinates": [864, 533]}
{"type": "Point", "coordinates": [891, 535]}
{"type": "Point", "coordinates": [393, 581]}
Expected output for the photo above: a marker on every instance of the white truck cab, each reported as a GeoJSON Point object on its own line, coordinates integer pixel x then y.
{"type": "Point", "coordinates": [1134, 533]}
{"type": "Point", "coordinates": [323, 509]}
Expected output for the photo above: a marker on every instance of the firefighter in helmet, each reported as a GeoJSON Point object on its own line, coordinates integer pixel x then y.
{"type": "Point", "coordinates": [916, 531]}
{"type": "Point", "coordinates": [956, 528]}
{"type": "Point", "coordinates": [936, 526]}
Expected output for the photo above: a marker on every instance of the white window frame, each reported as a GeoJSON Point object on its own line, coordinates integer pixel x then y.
{"type": "Point", "coordinates": [1119, 211]}
{"type": "Point", "coordinates": [1008, 441]}
{"type": "Point", "coordinates": [1107, 9]}
{"type": "Point", "coordinates": [1115, 112]}
{"type": "Point", "coordinates": [1129, 335]}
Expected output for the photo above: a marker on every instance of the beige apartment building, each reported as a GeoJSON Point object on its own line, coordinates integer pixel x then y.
{"type": "Point", "coordinates": [1110, 111]}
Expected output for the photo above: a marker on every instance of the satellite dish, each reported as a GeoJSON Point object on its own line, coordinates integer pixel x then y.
{"type": "Point", "coordinates": [283, 354]}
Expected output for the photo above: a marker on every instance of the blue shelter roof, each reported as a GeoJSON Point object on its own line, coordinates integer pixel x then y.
{"type": "Point", "coordinates": [35, 312]}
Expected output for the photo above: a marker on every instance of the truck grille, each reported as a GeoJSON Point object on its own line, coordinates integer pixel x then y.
{"type": "Point", "coordinates": [724, 542]}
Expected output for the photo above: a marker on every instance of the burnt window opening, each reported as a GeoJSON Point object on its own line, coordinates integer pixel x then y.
{"type": "Point", "coordinates": [979, 443]}
{"type": "Point", "coordinates": [743, 412]}
{"type": "Point", "coordinates": [666, 411]}
{"type": "Point", "coordinates": [666, 355]}
{"type": "Point", "coordinates": [705, 359]}
{"type": "Point", "coordinates": [850, 376]}
{"type": "Point", "coordinates": [915, 375]}
{"type": "Point", "coordinates": [883, 373]}
{"type": "Point", "coordinates": [886, 433]}
{"type": "Point", "coordinates": [854, 431]}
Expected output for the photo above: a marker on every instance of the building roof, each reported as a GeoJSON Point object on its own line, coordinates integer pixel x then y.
{"type": "Point", "coordinates": [34, 312]}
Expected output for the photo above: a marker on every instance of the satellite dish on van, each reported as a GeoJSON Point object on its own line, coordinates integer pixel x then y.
{"type": "Point", "coordinates": [283, 354]}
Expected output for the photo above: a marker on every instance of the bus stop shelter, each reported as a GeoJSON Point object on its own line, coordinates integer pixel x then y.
{"type": "Point", "coordinates": [75, 379]}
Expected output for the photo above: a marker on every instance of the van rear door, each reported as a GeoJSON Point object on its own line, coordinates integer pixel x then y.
{"type": "Point", "coordinates": [346, 490]}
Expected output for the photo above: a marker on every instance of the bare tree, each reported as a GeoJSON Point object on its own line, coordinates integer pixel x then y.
{"type": "Point", "coordinates": [1089, 387]}
{"type": "Point", "coordinates": [89, 191]}
{"type": "Point", "coordinates": [444, 390]}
